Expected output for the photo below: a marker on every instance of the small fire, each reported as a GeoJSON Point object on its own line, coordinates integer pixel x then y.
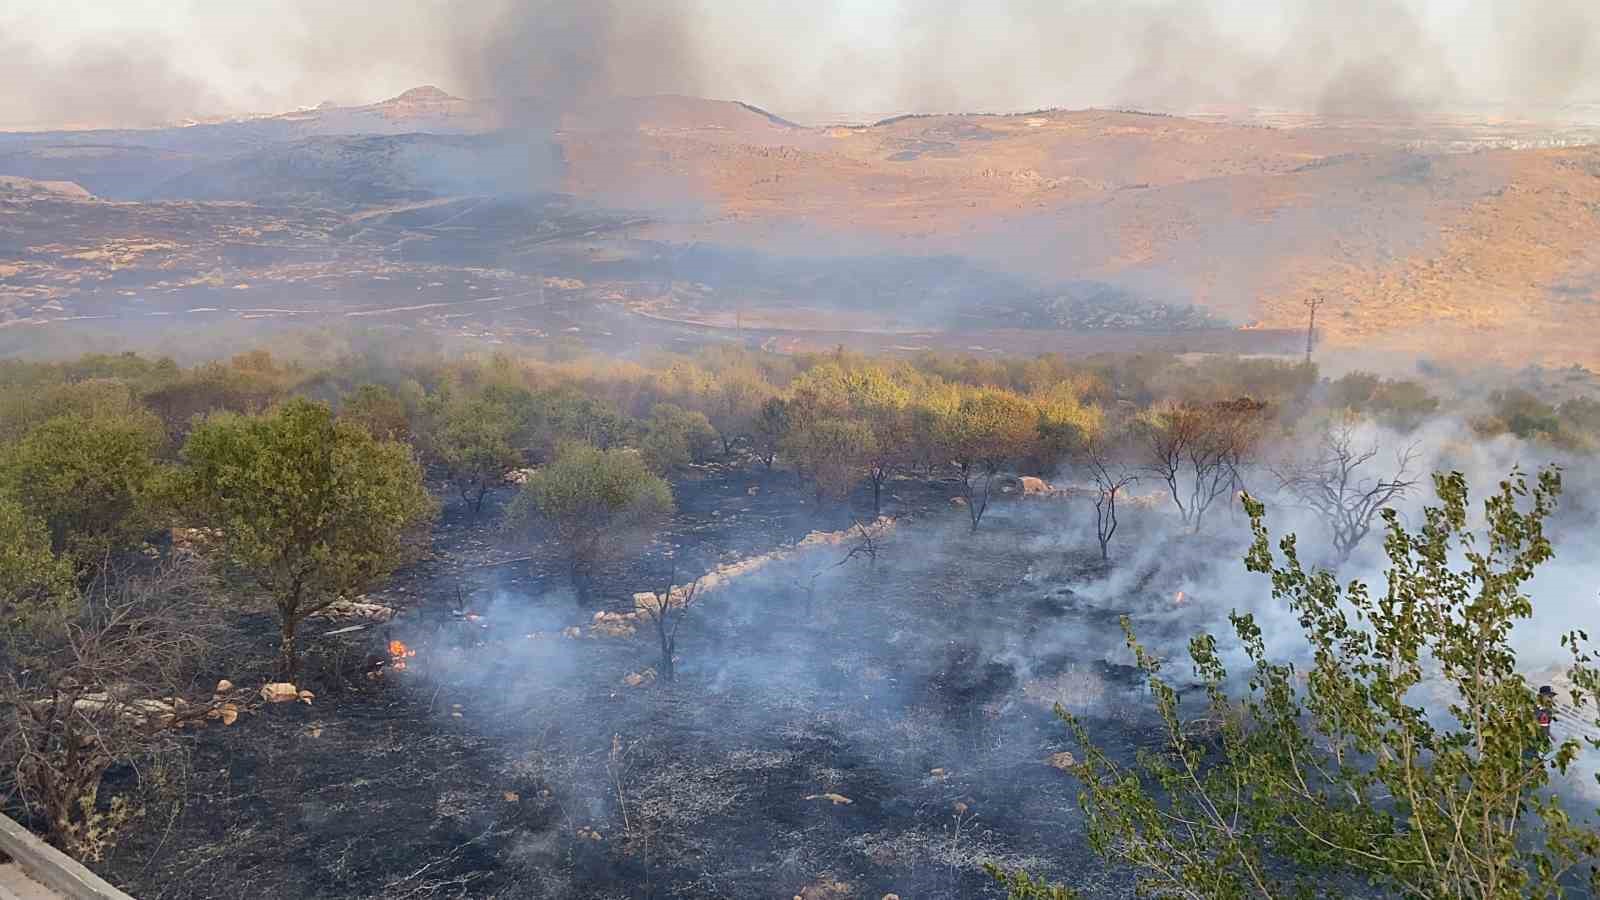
{"type": "Point", "coordinates": [1180, 598]}
{"type": "Point", "coordinates": [399, 653]}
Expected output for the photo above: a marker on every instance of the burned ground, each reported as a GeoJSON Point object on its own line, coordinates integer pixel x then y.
{"type": "Point", "coordinates": [890, 733]}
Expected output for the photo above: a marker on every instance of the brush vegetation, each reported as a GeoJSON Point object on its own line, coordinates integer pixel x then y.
{"type": "Point", "coordinates": [312, 474]}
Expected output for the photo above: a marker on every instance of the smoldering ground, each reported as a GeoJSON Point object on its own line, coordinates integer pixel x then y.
{"type": "Point", "coordinates": [882, 724]}
{"type": "Point", "coordinates": [927, 679]}
{"type": "Point", "coordinates": [906, 686]}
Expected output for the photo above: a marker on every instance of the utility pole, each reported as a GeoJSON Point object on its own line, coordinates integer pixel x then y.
{"type": "Point", "coordinates": [1311, 322]}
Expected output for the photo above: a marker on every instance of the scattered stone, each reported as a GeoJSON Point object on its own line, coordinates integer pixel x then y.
{"type": "Point", "coordinates": [1032, 485]}
{"type": "Point", "coordinates": [938, 773]}
{"type": "Point", "coordinates": [306, 697]}
{"type": "Point", "coordinates": [1064, 761]}
{"type": "Point", "coordinates": [617, 625]}
{"type": "Point", "coordinates": [224, 686]}
{"type": "Point", "coordinates": [958, 501]}
{"type": "Point", "coordinates": [512, 796]}
{"type": "Point", "coordinates": [279, 692]}
{"type": "Point", "coordinates": [145, 710]}
{"type": "Point", "coordinates": [228, 713]}
{"type": "Point", "coordinates": [837, 799]}
{"type": "Point", "coordinates": [194, 541]}
{"type": "Point", "coordinates": [355, 609]}
{"type": "Point", "coordinates": [754, 490]}
{"type": "Point", "coordinates": [646, 602]}
{"type": "Point", "coordinates": [636, 679]}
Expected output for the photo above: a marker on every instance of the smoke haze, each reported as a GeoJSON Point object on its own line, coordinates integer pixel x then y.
{"type": "Point", "coordinates": [141, 62]}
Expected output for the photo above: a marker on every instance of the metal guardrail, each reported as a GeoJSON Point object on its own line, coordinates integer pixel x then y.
{"type": "Point", "coordinates": [52, 868]}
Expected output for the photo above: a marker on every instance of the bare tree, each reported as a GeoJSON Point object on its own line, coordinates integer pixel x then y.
{"type": "Point", "coordinates": [1200, 450]}
{"type": "Point", "coordinates": [1111, 477]}
{"type": "Point", "coordinates": [867, 544]}
{"type": "Point", "coordinates": [667, 610]}
{"type": "Point", "coordinates": [111, 686]}
{"type": "Point", "coordinates": [1334, 481]}
{"type": "Point", "coordinates": [988, 431]}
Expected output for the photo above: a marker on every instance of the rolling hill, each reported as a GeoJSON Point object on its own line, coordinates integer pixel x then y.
{"type": "Point", "coordinates": [1447, 247]}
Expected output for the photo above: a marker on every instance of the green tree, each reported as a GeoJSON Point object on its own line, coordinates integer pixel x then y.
{"type": "Point", "coordinates": [567, 414]}
{"type": "Point", "coordinates": [1581, 415]}
{"type": "Point", "coordinates": [770, 429]}
{"type": "Point", "coordinates": [834, 452]}
{"type": "Point", "coordinates": [1400, 403]}
{"type": "Point", "coordinates": [989, 430]}
{"type": "Point", "coordinates": [475, 440]}
{"type": "Point", "coordinates": [1346, 770]}
{"type": "Point", "coordinates": [1066, 425]}
{"type": "Point", "coordinates": [1524, 415]}
{"type": "Point", "coordinates": [188, 395]}
{"type": "Point", "coordinates": [675, 437]}
{"type": "Point", "coordinates": [734, 399]}
{"type": "Point", "coordinates": [875, 438]}
{"type": "Point", "coordinates": [37, 588]}
{"type": "Point", "coordinates": [598, 502]}
{"type": "Point", "coordinates": [874, 398]}
{"type": "Point", "coordinates": [22, 410]}
{"type": "Point", "coordinates": [379, 410]}
{"type": "Point", "coordinates": [889, 449]}
{"type": "Point", "coordinates": [91, 479]}
{"type": "Point", "coordinates": [312, 507]}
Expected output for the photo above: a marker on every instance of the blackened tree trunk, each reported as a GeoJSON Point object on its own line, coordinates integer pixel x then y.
{"type": "Point", "coordinates": [288, 648]}
{"type": "Point", "coordinates": [472, 493]}
{"type": "Point", "coordinates": [582, 576]}
{"type": "Point", "coordinates": [668, 647]}
{"type": "Point", "coordinates": [1106, 519]}
{"type": "Point", "coordinates": [977, 500]}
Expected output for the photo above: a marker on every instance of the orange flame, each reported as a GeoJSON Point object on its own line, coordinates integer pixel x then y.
{"type": "Point", "coordinates": [1180, 598]}
{"type": "Point", "coordinates": [399, 653]}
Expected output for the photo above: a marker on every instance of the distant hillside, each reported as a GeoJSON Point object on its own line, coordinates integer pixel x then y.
{"type": "Point", "coordinates": [1498, 250]}
{"type": "Point", "coordinates": [372, 170]}
{"type": "Point", "coordinates": [1495, 251]}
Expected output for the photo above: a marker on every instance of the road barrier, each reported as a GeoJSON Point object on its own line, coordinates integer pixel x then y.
{"type": "Point", "coordinates": [52, 868]}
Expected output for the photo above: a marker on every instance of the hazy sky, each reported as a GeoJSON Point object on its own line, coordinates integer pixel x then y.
{"type": "Point", "coordinates": [113, 62]}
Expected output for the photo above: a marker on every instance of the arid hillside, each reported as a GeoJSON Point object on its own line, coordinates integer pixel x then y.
{"type": "Point", "coordinates": [1438, 240]}
{"type": "Point", "coordinates": [1489, 250]}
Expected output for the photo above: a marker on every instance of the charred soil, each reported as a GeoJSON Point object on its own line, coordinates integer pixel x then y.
{"type": "Point", "coordinates": [871, 727]}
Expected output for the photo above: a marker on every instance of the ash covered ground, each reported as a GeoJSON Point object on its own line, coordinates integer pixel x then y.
{"type": "Point", "coordinates": [885, 731]}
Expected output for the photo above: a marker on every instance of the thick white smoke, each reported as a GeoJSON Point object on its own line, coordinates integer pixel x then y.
{"type": "Point", "coordinates": [1365, 57]}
